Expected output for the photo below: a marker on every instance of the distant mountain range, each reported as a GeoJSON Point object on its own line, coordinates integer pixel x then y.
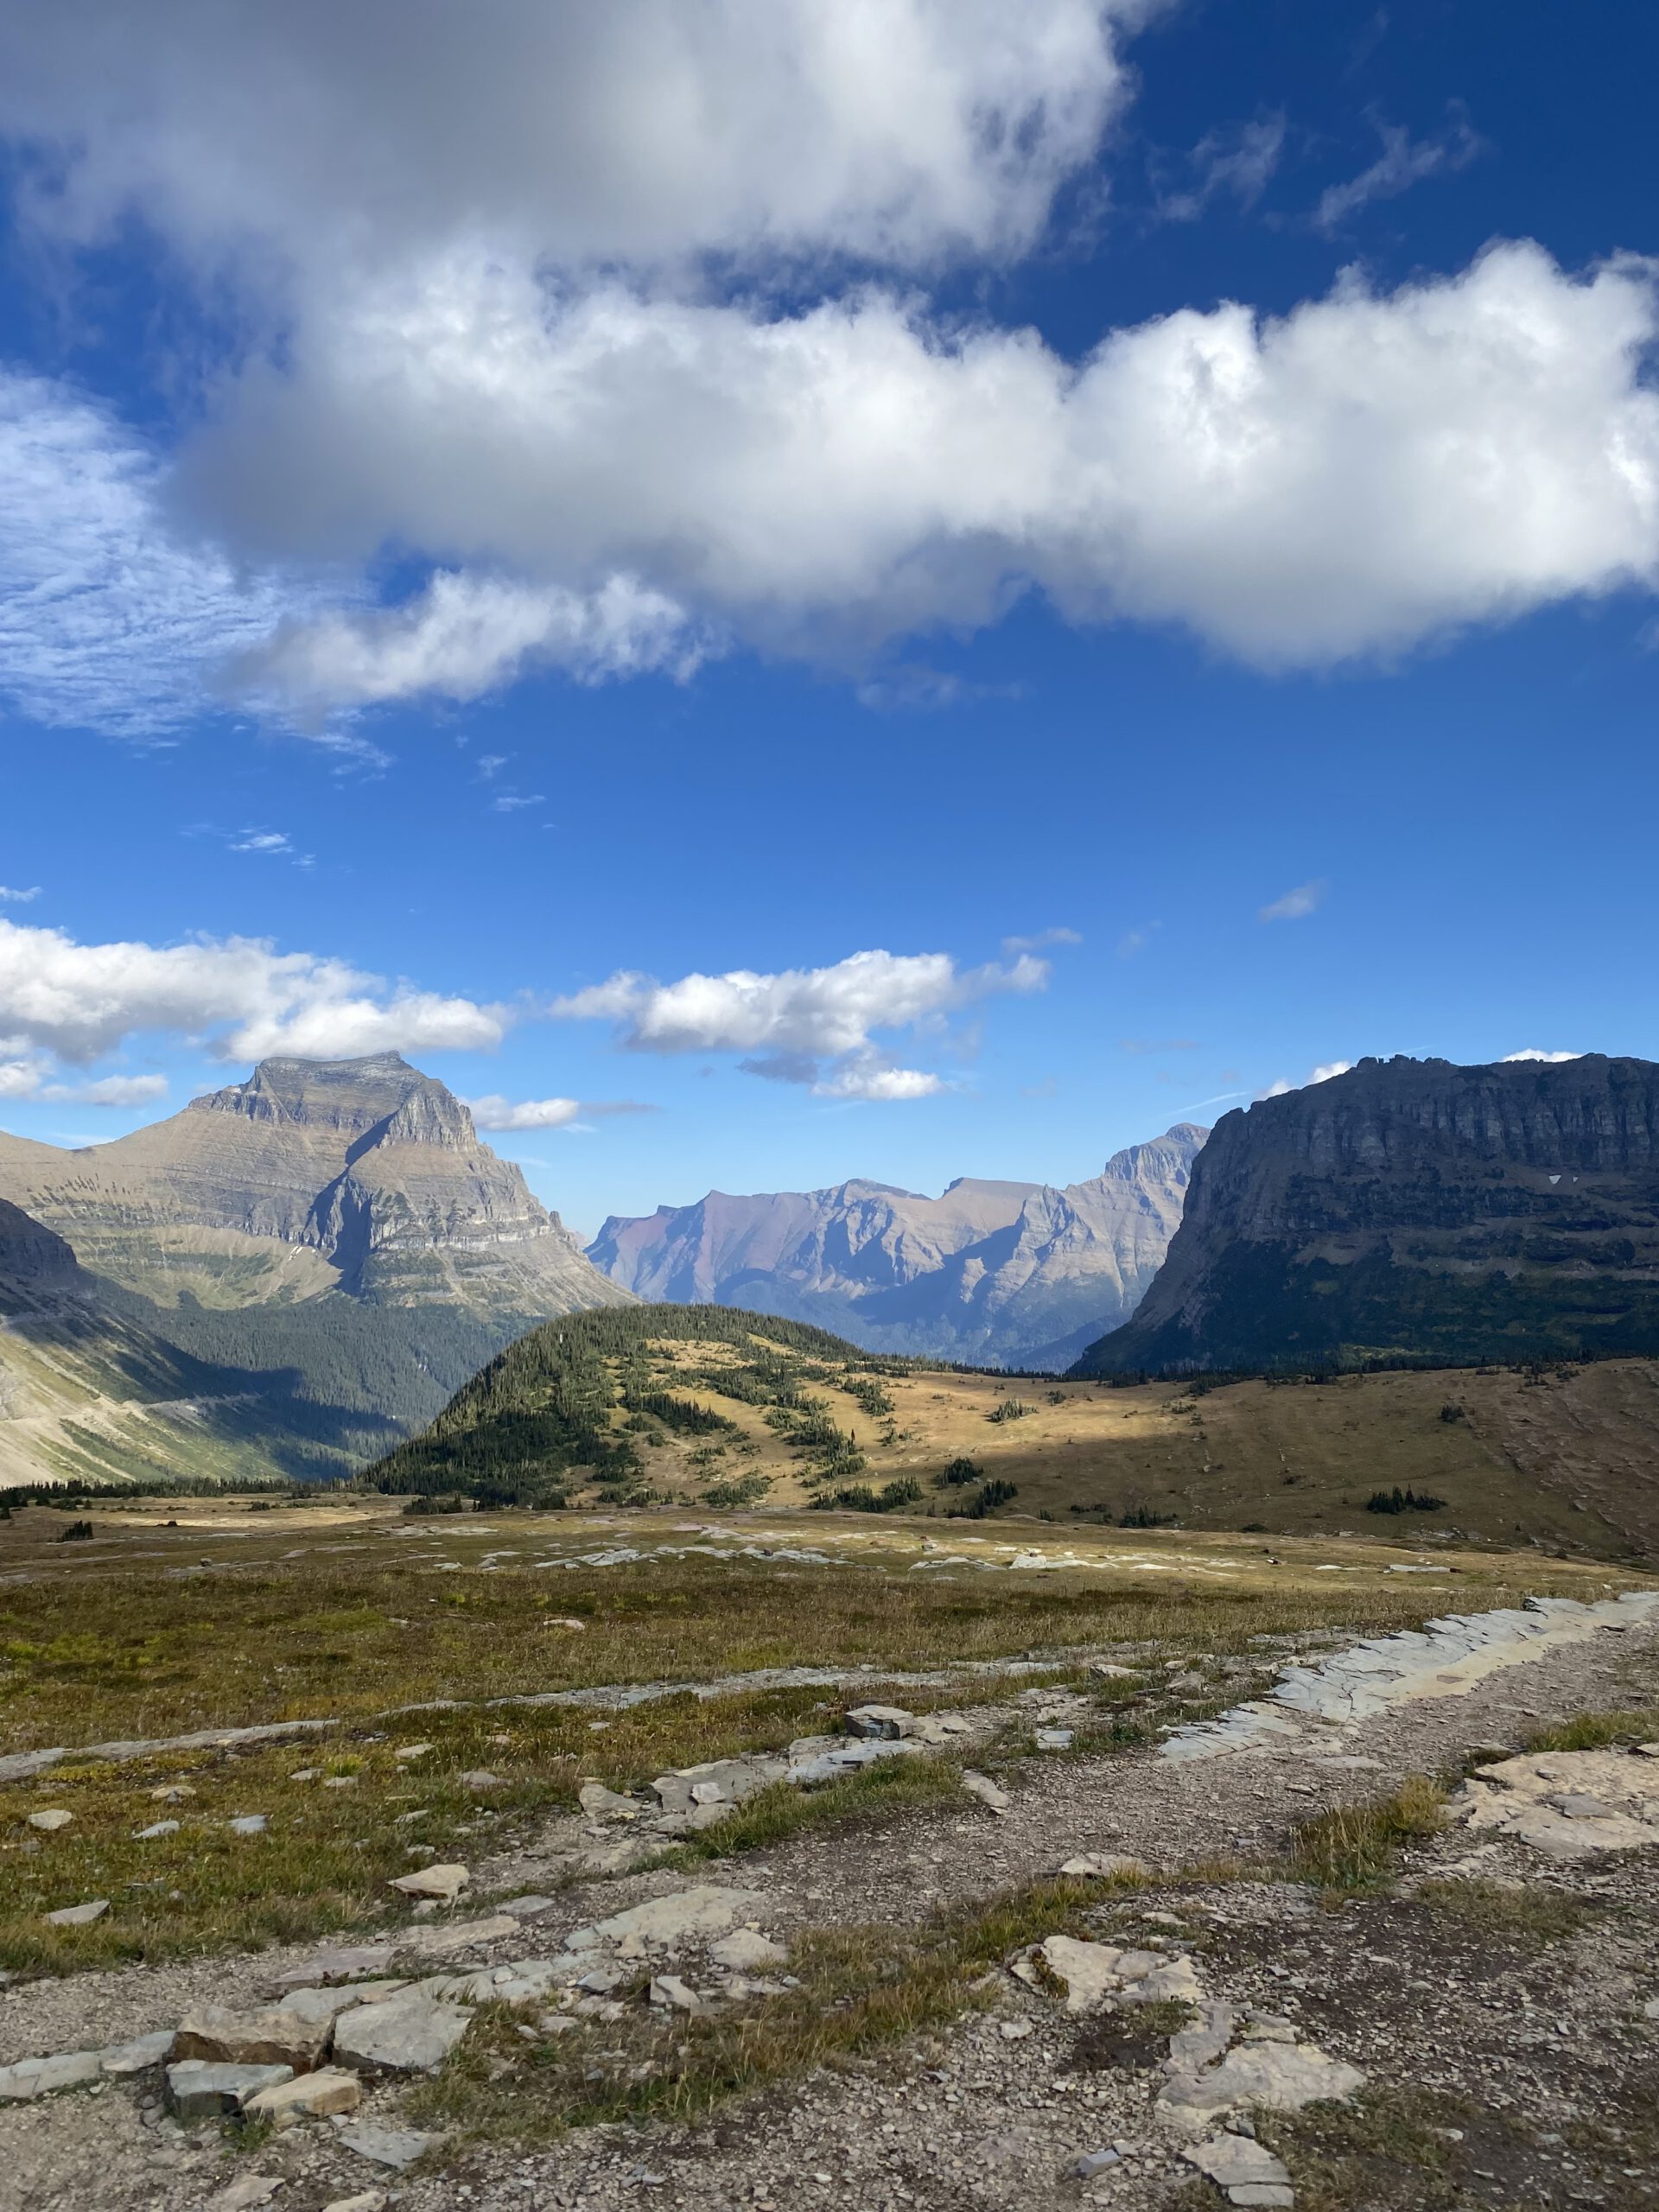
{"type": "Point", "coordinates": [1013, 1274]}
{"type": "Point", "coordinates": [313, 1259]}
{"type": "Point", "coordinates": [1411, 1209]}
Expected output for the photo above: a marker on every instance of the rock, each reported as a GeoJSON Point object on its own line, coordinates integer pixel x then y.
{"type": "Point", "coordinates": [156, 1828]}
{"type": "Point", "coordinates": [602, 1804]}
{"type": "Point", "coordinates": [1566, 1804]}
{"type": "Point", "coordinates": [1104, 1671]}
{"type": "Point", "coordinates": [1095, 2162]}
{"type": "Point", "coordinates": [1263, 2193]}
{"type": "Point", "coordinates": [988, 1792]}
{"type": "Point", "coordinates": [198, 2089]}
{"type": "Point", "coordinates": [137, 2056]}
{"type": "Point", "coordinates": [410, 2035]}
{"type": "Point", "coordinates": [668, 1989]}
{"type": "Point", "coordinates": [366, 2200]}
{"type": "Point", "coordinates": [885, 1721]}
{"type": "Point", "coordinates": [1283, 2076]}
{"type": "Point", "coordinates": [527, 1908]}
{"type": "Point", "coordinates": [404, 1752]}
{"type": "Point", "coordinates": [479, 1777]}
{"type": "Point", "coordinates": [1107, 1866]}
{"type": "Point", "coordinates": [1053, 1740]}
{"type": "Point", "coordinates": [1013, 2030]}
{"type": "Point", "coordinates": [664, 1922]}
{"type": "Point", "coordinates": [79, 1916]}
{"type": "Point", "coordinates": [246, 2190]}
{"type": "Point", "coordinates": [459, 1934]}
{"type": "Point", "coordinates": [38, 2077]}
{"type": "Point", "coordinates": [269, 2038]}
{"type": "Point", "coordinates": [1087, 1972]}
{"type": "Point", "coordinates": [1204, 2041]}
{"type": "Point", "coordinates": [338, 1962]}
{"type": "Point", "coordinates": [445, 1883]}
{"type": "Point", "coordinates": [50, 1821]}
{"type": "Point", "coordinates": [248, 1824]}
{"type": "Point", "coordinates": [745, 1950]}
{"type": "Point", "coordinates": [308, 2096]}
{"type": "Point", "coordinates": [1234, 2161]}
{"type": "Point", "coordinates": [320, 2006]}
{"type": "Point", "coordinates": [1269, 2027]}
{"type": "Point", "coordinates": [396, 2147]}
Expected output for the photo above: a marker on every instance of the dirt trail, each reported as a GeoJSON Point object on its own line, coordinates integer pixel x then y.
{"type": "Point", "coordinates": [1540, 2043]}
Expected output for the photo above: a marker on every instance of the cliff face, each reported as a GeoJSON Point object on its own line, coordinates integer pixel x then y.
{"type": "Point", "coordinates": [1412, 1209]}
{"type": "Point", "coordinates": [364, 1176]}
{"type": "Point", "coordinates": [1015, 1273]}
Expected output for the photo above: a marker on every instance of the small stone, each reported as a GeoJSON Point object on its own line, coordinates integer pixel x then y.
{"type": "Point", "coordinates": [156, 1828]}
{"type": "Point", "coordinates": [50, 1821]}
{"type": "Point", "coordinates": [443, 1884]}
{"type": "Point", "coordinates": [1053, 1740]}
{"type": "Point", "coordinates": [1095, 2162]}
{"type": "Point", "coordinates": [602, 1804]}
{"type": "Point", "coordinates": [396, 2147]}
{"type": "Point", "coordinates": [248, 1824]}
{"type": "Point", "coordinates": [404, 1752]}
{"type": "Point", "coordinates": [79, 1916]}
{"type": "Point", "coordinates": [172, 1793]}
{"type": "Point", "coordinates": [366, 2200]}
{"type": "Point", "coordinates": [246, 2190]}
{"type": "Point", "coordinates": [410, 2035]}
{"type": "Point", "coordinates": [479, 1777]}
{"type": "Point", "coordinates": [38, 2077]}
{"type": "Point", "coordinates": [1087, 1972]}
{"type": "Point", "coordinates": [309, 2097]}
{"type": "Point", "coordinates": [339, 1781]}
{"type": "Point", "coordinates": [305, 1773]}
{"type": "Point", "coordinates": [197, 2090]}
{"type": "Point", "coordinates": [1237, 2161]}
{"type": "Point", "coordinates": [668, 1989]}
{"type": "Point", "coordinates": [338, 1962]}
{"type": "Point", "coordinates": [989, 1793]}
{"type": "Point", "coordinates": [1013, 2030]}
{"type": "Point", "coordinates": [1107, 1866]}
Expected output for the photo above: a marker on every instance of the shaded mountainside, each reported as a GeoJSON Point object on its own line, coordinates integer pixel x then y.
{"type": "Point", "coordinates": [362, 1176]}
{"type": "Point", "coordinates": [97, 1383]}
{"type": "Point", "coordinates": [574, 1400]}
{"type": "Point", "coordinates": [1412, 1210]}
{"type": "Point", "coordinates": [1017, 1274]}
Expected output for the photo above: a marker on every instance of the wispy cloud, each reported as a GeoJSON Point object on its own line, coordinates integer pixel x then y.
{"type": "Point", "coordinates": [1137, 939]}
{"type": "Point", "coordinates": [1013, 945]}
{"type": "Point", "coordinates": [511, 801]}
{"type": "Point", "coordinates": [1533, 1053]}
{"type": "Point", "coordinates": [1306, 898]}
{"type": "Point", "coordinates": [1404, 161]}
{"type": "Point", "coordinates": [495, 1112]}
{"type": "Point", "coordinates": [19, 897]}
{"type": "Point", "coordinates": [1237, 163]}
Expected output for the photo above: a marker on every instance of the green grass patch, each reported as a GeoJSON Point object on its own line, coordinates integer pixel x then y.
{"type": "Point", "coordinates": [1518, 1911]}
{"type": "Point", "coordinates": [1356, 1847]}
{"type": "Point", "coordinates": [775, 1815]}
{"type": "Point", "coordinates": [1598, 1732]}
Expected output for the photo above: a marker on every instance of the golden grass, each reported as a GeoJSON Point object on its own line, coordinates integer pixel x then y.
{"type": "Point", "coordinates": [1355, 1847]}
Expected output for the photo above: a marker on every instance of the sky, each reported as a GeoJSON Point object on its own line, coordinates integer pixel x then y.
{"type": "Point", "coordinates": [778, 590]}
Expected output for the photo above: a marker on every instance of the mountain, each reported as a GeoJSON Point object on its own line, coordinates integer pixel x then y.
{"type": "Point", "coordinates": [1411, 1209]}
{"type": "Point", "coordinates": [362, 1176]}
{"type": "Point", "coordinates": [1015, 1274]}
{"type": "Point", "coordinates": [302, 1267]}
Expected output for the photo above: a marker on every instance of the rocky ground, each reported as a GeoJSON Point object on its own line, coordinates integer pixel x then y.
{"type": "Point", "coordinates": [1485, 2028]}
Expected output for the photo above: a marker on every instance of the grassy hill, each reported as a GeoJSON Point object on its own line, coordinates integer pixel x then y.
{"type": "Point", "coordinates": [710, 1407]}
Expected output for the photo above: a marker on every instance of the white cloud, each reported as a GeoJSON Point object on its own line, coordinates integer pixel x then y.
{"type": "Point", "coordinates": [639, 130]}
{"type": "Point", "coordinates": [262, 841]}
{"type": "Point", "coordinates": [808, 1026]}
{"type": "Point", "coordinates": [111, 1090]}
{"type": "Point", "coordinates": [1282, 1087]}
{"type": "Point", "coordinates": [1040, 941]}
{"type": "Point", "coordinates": [1304, 899]}
{"type": "Point", "coordinates": [1238, 161]}
{"type": "Point", "coordinates": [1532, 1053]}
{"type": "Point", "coordinates": [1404, 161]}
{"type": "Point", "coordinates": [18, 898]}
{"type": "Point", "coordinates": [1330, 1068]}
{"type": "Point", "coordinates": [495, 1112]}
{"type": "Point", "coordinates": [512, 802]}
{"type": "Point", "coordinates": [243, 996]}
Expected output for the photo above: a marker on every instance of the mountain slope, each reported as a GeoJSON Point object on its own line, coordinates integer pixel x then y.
{"type": "Point", "coordinates": [363, 1176]}
{"type": "Point", "coordinates": [990, 1272]}
{"type": "Point", "coordinates": [1414, 1210]}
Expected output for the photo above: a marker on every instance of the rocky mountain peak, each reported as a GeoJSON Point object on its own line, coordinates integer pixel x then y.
{"type": "Point", "coordinates": [34, 1261]}
{"type": "Point", "coordinates": [379, 1097]}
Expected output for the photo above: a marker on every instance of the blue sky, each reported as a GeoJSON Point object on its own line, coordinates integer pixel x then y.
{"type": "Point", "coordinates": [540, 555]}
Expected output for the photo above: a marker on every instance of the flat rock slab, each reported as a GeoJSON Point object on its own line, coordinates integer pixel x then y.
{"type": "Point", "coordinates": [79, 1916]}
{"type": "Point", "coordinates": [1107, 1866]}
{"type": "Point", "coordinates": [443, 1883]}
{"type": "Point", "coordinates": [138, 2055]}
{"type": "Point", "coordinates": [1282, 2077]}
{"type": "Point", "coordinates": [1568, 1804]}
{"type": "Point", "coordinates": [396, 2147]}
{"type": "Point", "coordinates": [338, 1962]}
{"type": "Point", "coordinates": [680, 1918]}
{"type": "Point", "coordinates": [38, 2077]}
{"type": "Point", "coordinates": [1090, 1972]}
{"type": "Point", "coordinates": [747, 1951]}
{"type": "Point", "coordinates": [1232, 2161]}
{"type": "Point", "coordinates": [320, 2007]}
{"type": "Point", "coordinates": [459, 1934]}
{"type": "Point", "coordinates": [198, 2089]}
{"type": "Point", "coordinates": [402, 2036]}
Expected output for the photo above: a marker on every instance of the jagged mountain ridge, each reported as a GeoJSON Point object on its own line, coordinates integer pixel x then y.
{"type": "Point", "coordinates": [1000, 1272]}
{"type": "Point", "coordinates": [1415, 1210]}
{"type": "Point", "coordinates": [363, 1176]}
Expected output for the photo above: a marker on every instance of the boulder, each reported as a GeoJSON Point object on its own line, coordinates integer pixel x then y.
{"type": "Point", "coordinates": [320, 2006]}
{"type": "Point", "coordinates": [137, 2056]}
{"type": "Point", "coordinates": [308, 2096]}
{"type": "Point", "coordinates": [269, 2038]}
{"type": "Point", "coordinates": [410, 2034]}
{"type": "Point", "coordinates": [888, 1721]}
{"type": "Point", "coordinates": [199, 2089]}
{"type": "Point", "coordinates": [50, 1821]}
{"type": "Point", "coordinates": [445, 1883]}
